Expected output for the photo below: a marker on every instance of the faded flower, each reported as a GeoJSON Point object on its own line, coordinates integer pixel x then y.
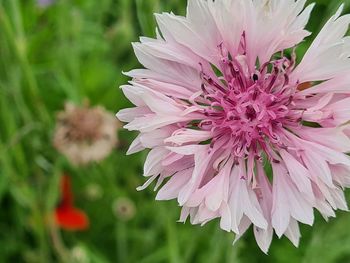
{"type": "Point", "coordinates": [85, 134]}
{"type": "Point", "coordinates": [124, 208]}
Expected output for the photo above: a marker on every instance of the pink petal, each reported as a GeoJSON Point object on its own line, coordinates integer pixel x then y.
{"type": "Point", "coordinates": [172, 188]}
{"type": "Point", "coordinates": [299, 174]}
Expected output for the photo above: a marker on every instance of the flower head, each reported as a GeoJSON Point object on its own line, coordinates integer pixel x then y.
{"type": "Point", "coordinates": [85, 134]}
{"type": "Point", "coordinates": [222, 99]}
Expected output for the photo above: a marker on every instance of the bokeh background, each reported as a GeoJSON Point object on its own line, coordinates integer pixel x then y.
{"type": "Point", "coordinates": [56, 51]}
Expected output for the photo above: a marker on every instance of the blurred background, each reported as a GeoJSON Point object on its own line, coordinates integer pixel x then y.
{"type": "Point", "coordinates": [67, 189]}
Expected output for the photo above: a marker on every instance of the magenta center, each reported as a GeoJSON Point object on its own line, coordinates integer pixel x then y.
{"type": "Point", "coordinates": [249, 109]}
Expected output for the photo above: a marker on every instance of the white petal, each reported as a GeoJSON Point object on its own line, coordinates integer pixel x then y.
{"type": "Point", "coordinates": [156, 137]}
{"type": "Point", "coordinates": [325, 209]}
{"type": "Point", "coordinates": [332, 156]}
{"type": "Point", "coordinates": [133, 94]}
{"type": "Point", "coordinates": [263, 238]}
{"type": "Point", "coordinates": [166, 88]}
{"type": "Point", "coordinates": [236, 206]}
{"type": "Point", "coordinates": [333, 138]}
{"type": "Point", "coordinates": [165, 70]}
{"type": "Point", "coordinates": [242, 228]}
{"type": "Point", "coordinates": [329, 49]}
{"type": "Point", "coordinates": [225, 221]}
{"type": "Point", "coordinates": [153, 163]}
{"type": "Point", "coordinates": [136, 146]}
{"type": "Point", "coordinates": [339, 199]}
{"type": "Point", "coordinates": [185, 211]}
{"type": "Point", "coordinates": [339, 84]}
{"type": "Point", "coordinates": [293, 232]}
{"type": "Point", "coordinates": [172, 188]}
{"type": "Point", "coordinates": [243, 200]}
{"type": "Point", "coordinates": [339, 111]}
{"type": "Point", "coordinates": [128, 115]}
{"type": "Point", "coordinates": [280, 210]}
{"type": "Point", "coordinates": [157, 102]}
{"type": "Point", "coordinates": [189, 136]}
{"type": "Point", "coordinates": [147, 183]}
{"type": "Point", "coordinates": [299, 174]}
{"type": "Point", "coordinates": [202, 159]}
{"type": "Point", "coordinates": [186, 33]}
{"type": "Point", "coordinates": [288, 201]}
{"type": "Point", "coordinates": [153, 122]}
{"type": "Point", "coordinates": [228, 20]}
{"type": "Point", "coordinates": [318, 167]}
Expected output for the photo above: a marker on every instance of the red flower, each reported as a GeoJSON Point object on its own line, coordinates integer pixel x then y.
{"type": "Point", "coordinates": [67, 216]}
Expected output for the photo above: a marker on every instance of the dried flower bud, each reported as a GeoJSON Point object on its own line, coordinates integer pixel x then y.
{"type": "Point", "coordinates": [79, 255]}
{"type": "Point", "coordinates": [85, 134]}
{"type": "Point", "coordinates": [93, 192]}
{"type": "Point", "coordinates": [124, 208]}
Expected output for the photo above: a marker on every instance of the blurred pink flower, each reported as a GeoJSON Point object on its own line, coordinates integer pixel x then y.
{"type": "Point", "coordinates": [222, 98]}
{"type": "Point", "coordinates": [45, 3]}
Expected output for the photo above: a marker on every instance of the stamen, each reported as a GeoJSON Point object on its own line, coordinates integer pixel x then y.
{"type": "Point", "coordinates": [227, 98]}
{"type": "Point", "coordinates": [249, 109]}
{"type": "Point", "coordinates": [204, 89]}
{"type": "Point", "coordinates": [273, 79]}
{"type": "Point", "coordinates": [211, 82]}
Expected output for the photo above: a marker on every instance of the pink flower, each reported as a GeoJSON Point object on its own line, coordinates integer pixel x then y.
{"type": "Point", "coordinates": [219, 101]}
{"type": "Point", "coordinates": [44, 3]}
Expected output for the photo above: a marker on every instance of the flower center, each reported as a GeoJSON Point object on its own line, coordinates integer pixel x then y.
{"type": "Point", "coordinates": [84, 125]}
{"type": "Point", "coordinates": [249, 109]}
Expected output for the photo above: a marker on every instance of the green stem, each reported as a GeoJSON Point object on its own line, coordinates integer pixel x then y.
{"type": "Point", "coordinates": [57, 242]}
{"type": "Point", "coordinates": [40, 230]}
{"type": "Point", "coordinates": [173, 246]}
{"type": "Point", "coordinates": [121, 238]}
{"type": "Point", "coordinates": [18, 41]}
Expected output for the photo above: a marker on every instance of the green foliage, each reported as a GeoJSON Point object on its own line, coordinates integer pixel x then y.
{"type": "Point", "coordinates": [77, 49]}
